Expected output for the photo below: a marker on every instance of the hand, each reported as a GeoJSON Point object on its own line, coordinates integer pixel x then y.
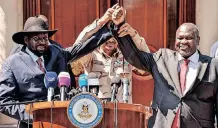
{"type": "Point", "coordinates": [118, 15]}
{"type": "Point", "coordinates": [107, 15]}
{"type": "Point", "coordinates": [126, 29]}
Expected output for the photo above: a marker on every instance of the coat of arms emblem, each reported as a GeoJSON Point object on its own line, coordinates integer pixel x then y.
{"type": "Point", "coordinates": [85, 110]}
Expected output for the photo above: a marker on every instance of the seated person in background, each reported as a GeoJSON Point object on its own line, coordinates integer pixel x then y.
{"type": "Point", "coordinates": [23, 72]}
{"type": "Point", "coordinates": [17, 47]}
{"type": "Point", "coordinates": [214, 50]}
{"type": "Point", "coordinates": [107, 61]}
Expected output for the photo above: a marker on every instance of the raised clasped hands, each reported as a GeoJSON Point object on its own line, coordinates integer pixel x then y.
{"type": "Point", "coordinates": [107, 15]}
{"type": "Point", "coordinates": [116, 14]}
{"type": "Point", "coordinates": [118, 17]}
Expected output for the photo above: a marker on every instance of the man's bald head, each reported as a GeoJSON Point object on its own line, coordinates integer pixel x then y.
{"type": "Point", "coordinates": [189, 27]}
{"type": "Point", "coordinates": [187, 39]}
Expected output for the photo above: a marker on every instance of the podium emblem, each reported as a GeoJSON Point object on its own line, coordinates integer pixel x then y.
{"type": "Point", "coordinates": [85, 110]}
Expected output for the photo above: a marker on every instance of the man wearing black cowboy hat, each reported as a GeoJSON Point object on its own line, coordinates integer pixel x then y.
{"type": "Point", "coordinates": [17, 47]}
{"type": "Point", "coordinates": [23, 72]}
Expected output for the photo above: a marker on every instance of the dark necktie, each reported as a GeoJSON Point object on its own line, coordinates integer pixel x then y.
{"type": "Point", "coordinates": [183, 72]}
{"type": "Point", "coordinates": [39, 62]}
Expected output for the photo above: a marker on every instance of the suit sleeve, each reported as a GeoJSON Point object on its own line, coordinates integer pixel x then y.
{"type": "Point", "coordinates": [88, 31]}
{"type": "Point", "coordinates": [8, 94]}
{"type": "Point", "coordinates": [137, 58]}
{"type": "Point", "coordinates": [213, 49]}
{"type": "Point", "coordinates": [82, 48]}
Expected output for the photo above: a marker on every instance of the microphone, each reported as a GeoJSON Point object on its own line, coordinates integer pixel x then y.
{"type": "Point", "coordinates": [93, 83]}
{"type": "Point", "coordinates": [83, 82]}
{"type": "Point", "coordinates": [125, 90]}
{"type": "Point", "coordinates": [72, 93]}
{"type": "Point", "coordinates": [115, 83]}
{"type": "Point", "coordinates": [50, 81]}
{"type": "Point", "coordinates": [63, 84]}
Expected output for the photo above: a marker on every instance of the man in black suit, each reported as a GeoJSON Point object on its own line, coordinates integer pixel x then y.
{"type": "Point", "coordinates": [23, 72]}
{"type": "Point", "coordinates": [185, 93]}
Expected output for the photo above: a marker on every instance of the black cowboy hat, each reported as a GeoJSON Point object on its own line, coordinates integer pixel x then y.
{"type": "Point", "coordinates": [35, 24]}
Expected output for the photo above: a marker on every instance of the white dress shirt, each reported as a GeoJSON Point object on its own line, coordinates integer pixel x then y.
{"type": "Point", "coordinates": [192, 72]}
{"type": "Point", "coordinates": [34, 57]}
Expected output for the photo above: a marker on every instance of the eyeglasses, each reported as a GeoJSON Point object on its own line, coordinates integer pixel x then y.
{"type": "Point", "coordinates": [37, 39]}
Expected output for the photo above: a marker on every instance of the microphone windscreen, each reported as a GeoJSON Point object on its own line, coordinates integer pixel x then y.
{"type": "Point", "coordinates": [64, 79]}
{"type": "Point", "coordinates": [83, 80]}
{"type": "Point", "coordinates": [116, 80]}
{"type": "Point", "coordinates": [93, 79]}
{"type": "Point", "coordinates": [50, 79]}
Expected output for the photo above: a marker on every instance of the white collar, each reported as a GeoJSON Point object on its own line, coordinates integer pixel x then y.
{"type": "Point", "coordinates": [193, 58]}
{"type": "Point", "coordinates": [33, 56]}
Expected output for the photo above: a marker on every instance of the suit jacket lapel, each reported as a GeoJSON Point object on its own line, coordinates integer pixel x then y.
{"type": "Point", "coordinates": [50, 57]}
{"type": "Point", "coordinates": [47, 57]}
{"type": "Point", "coordinates": [203, 63]}
{"type": "Point", "coordinates": [172, 67]}
{"type": "Point", "coordinates": [26, 58]}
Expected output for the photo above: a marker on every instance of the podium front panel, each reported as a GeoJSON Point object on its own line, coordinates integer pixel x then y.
{"type": "Point", "coordinates": [128, 115]}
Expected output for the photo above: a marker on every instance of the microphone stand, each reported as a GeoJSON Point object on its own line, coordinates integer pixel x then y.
{"type": "Point", "coordinates": [51, 121]}
{"type": "Point", "coordinates": [115, 113]}
{"type": "Point", "coordinates": [31, 106]}
{"type": "Point", "coordinates": [114, 93]}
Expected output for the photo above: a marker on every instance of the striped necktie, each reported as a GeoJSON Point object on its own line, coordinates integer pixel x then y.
{"type": "Point", "coordinates": [39, 62]}
{"type": "Point", "coordinates": [183, 72]}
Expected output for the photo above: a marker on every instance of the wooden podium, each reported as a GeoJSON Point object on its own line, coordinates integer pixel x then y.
{"type": "Point", "coordinates": [128, 115]}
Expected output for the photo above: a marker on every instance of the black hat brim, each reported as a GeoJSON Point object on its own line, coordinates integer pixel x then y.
{"type": "Point", "coordinates": [19, 36]}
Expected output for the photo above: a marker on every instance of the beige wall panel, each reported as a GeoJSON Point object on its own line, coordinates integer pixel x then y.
{"type": "Point", "coordinates": [14, 21]}
{"type": "Point", "coordinates": [207, 21]}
